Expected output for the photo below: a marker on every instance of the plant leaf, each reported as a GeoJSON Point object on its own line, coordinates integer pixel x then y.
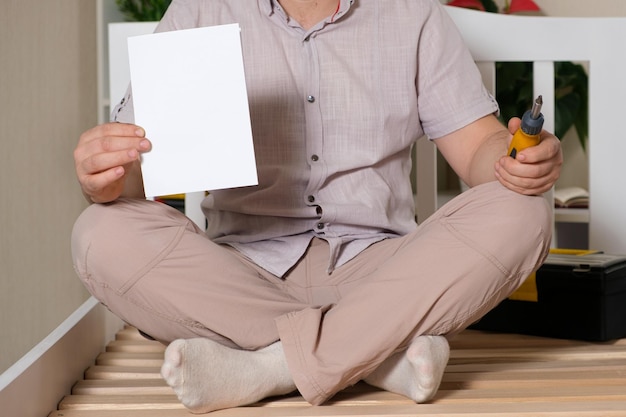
{"type": "Point", "coordinates": [513, 88]}
{"type": "Point", "coordinates": [142, 10]}
{"type": "Point", "coordinates": [490, 6]}
{"type": "Point", "coordinates": [566, 110]}
{"type": "Point", "coordinates": [572, 79]}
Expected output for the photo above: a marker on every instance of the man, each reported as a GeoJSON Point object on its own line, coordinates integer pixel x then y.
{"type": "Point", "coordinates": [318, 277]}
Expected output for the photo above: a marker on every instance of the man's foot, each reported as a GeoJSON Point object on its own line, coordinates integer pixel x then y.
{"type": "Point", "coordinates": [207, 376]}
{"type": "Point", "coordinates": [415, 373]}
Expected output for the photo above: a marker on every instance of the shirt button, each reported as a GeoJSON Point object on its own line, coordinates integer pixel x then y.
{"type": "Point", "coordinates": [311, 198]}
{"type": "Point", "coordinates": [315, 158]}
{"type": "Point", "coordinates": [320, 226]}
{"type": "Point", "coordinates": [310, 99]}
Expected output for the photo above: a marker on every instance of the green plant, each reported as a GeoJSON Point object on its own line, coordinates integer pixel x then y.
{"type": "Point", "coordinates": [514, 80]}
{"type": "Point", "coordinates": [142, 10]}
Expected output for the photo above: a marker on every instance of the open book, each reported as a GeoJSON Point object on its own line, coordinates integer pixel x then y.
{"type": "Point", "coordinates": [571, 197]}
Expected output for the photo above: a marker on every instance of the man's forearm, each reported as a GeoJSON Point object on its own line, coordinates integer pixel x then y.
{"type": "Point", "coordinates": [482, 165]}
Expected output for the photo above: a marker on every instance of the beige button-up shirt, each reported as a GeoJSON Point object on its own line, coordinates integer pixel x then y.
{"type": "Point", "coordinates": [335, 112]}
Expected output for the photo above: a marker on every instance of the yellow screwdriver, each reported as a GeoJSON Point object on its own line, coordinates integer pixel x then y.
{"type": "Point", "coordinates": [528, 133]}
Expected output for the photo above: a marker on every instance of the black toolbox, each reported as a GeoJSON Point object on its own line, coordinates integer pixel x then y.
{"type": "Point", "coordinates": [574, 295]}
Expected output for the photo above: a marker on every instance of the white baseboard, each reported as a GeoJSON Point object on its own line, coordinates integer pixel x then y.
{"type": "Point", "coordinates": [34, 385]}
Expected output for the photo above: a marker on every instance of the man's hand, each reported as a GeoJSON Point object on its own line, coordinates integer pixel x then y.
{"type": "Point", "coordinates": [107, 161]}
{"type": "Point", "coordinates": [535, 169]}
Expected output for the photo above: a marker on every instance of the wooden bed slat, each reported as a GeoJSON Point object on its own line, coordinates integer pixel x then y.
{"type": "Point", "coordinates": [122, 387]}
{"type": "Point", "coordinates": [587, 409]}
{"type": "Point", "coordinates": [123, 372]}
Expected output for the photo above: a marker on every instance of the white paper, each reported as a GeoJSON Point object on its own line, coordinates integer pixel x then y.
{"type": "Point", "coordinates": [190, 96]}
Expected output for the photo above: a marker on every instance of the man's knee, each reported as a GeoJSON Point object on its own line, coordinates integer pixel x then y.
{"type": "Point", "coordinates": [526, 240]}
{"type": "Point", "coordinates": [533, 225]}
{"type": "Point", "coordinates": [513, 230]}
{"type": "Point", "coordinates": [113, 243]}
{"type": "Point", "coordinates": [100, 225]}
{"type": "Point", "coordinates": [85, 228]}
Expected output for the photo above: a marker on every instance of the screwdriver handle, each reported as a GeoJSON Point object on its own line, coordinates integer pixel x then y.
{"type": "Point", "coordinates": [530, 129]}
{"type": "Point", "coordinates": [520, 141]}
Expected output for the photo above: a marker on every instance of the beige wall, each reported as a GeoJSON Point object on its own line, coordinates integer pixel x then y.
{"type": "Point", "coordinates": [47, 97]}
{"type": "Point", "coordinates": [578, 8]}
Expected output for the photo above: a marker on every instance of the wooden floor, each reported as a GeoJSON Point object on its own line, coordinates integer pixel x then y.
{"type": "Point", "coordinates": [488, 374]}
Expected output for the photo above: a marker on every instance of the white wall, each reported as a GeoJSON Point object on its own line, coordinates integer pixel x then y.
{"type": "Point", "coordinates": [47, 98]}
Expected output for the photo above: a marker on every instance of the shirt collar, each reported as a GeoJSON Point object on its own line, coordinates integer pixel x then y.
{"type": "Point", "coordinates": [272, 6]}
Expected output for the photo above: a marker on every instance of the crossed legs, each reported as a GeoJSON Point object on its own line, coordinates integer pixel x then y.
{"type": "Point", "coordinates": [249, 335]}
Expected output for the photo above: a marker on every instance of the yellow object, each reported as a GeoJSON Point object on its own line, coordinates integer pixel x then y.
{"type": "Point", "coordinates": [521, 141]}
{"type": "Point", "coordinates": [173, 197]}
{"type": "Point", "coordinates": [577, 252]}
{"type": "Point", "coordinates": [528, 290]}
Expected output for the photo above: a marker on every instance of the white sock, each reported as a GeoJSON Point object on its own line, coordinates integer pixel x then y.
{"type": "Point", "coordinates": [207, 376]}
{"type": "Point", "coordinates": [415, 373]}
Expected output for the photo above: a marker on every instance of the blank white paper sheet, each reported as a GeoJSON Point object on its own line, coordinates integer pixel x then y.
{"type": "Point", "coordinates": [190, 96]}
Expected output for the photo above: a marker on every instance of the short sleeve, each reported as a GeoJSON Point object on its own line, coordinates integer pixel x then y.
{"type": "Point", "coordinates": [451, 93]}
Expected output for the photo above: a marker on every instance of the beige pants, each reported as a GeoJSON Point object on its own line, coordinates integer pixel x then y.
{"type": "Point", "coordinates": [152, 267]}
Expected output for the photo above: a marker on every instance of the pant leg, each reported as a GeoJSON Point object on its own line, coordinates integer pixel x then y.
{"type": "Point", "coordinates": [452, 270]}
{"type": "Point", "coordinates": [156, 270]}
